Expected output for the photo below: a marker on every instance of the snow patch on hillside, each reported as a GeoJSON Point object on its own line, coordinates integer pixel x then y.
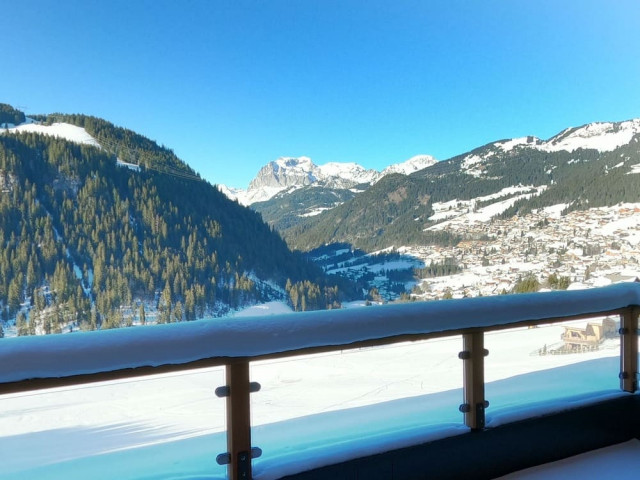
{"type": "Point", "coordinates": [131, 166]}
{"type": "Point", "coordinates": [509, 145]}
{"type": "Point", "coordinates": [466, 211]}
{"type": "Point", "coordinates": [472, 165]}
{"type": "Point", "coordinates": [66, 131]}
{"type": "Point", "coordinates": [316, 211]}
{"type": "Point", "coordinates": [555, 211]}
{"type": "Point", "coordinates": [634, 169]}
{"type": "Point", "coordinates": [603, 137]}
{"type": "Point", "coordinates": [415, 163]}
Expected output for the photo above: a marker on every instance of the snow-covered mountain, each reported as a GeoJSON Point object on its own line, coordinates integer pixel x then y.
{"type": "Point", "coordinates": [412, 165]}
{"type": "Point", "coordinates": [600, 136]}
{"type": "Point", "coordinates": [292, 173]}
{"type": "Point", "coordinates": [287, 172]}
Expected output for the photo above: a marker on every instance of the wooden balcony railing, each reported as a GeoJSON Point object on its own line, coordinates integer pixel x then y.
{"type": "Point", "coordinates": [31, 363]}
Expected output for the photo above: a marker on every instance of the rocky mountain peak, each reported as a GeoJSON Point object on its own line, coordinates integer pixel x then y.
{"type": "Point", "coordinates": [285, 172]}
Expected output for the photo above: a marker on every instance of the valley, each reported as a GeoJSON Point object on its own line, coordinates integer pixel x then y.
{"type": "Point", "coordinates": [538, 251]}
{"type": "Point", "coordinates": [514, 215]}
{"type": "Point", "coordinates": [511, 216]}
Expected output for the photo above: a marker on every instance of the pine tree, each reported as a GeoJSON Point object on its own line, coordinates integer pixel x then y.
{"type": "Point", "coordinates": [190, 305]}
{"type": "Point", "coordinates": [177, 312]}
{"type": "Point", "coordinates": [22, 327]}
{"type": "Point", "coordinates": [142, 315]}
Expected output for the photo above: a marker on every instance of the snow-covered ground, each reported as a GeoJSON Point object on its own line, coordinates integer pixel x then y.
{"type": "Point", "coordinates": [621, 462]}
{"type": "Point", "coordinates": [464, 211]}
{"type": "Point", "coordinates": [311, 410]}
{"type": "Point", "coordinates": [62, 130]}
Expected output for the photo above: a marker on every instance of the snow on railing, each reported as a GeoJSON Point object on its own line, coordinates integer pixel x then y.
{"type": "Point", "coordinates": [28, 363]}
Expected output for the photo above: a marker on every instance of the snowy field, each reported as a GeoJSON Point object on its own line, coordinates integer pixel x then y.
{"type": "Point", "coordinates": [311, 410]}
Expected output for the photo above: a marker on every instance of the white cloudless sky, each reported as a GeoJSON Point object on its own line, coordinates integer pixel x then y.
{"type": "Point", "coordinates": [232, 85]}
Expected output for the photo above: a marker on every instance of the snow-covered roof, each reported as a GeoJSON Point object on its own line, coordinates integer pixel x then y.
{"type": "Point", "coordinates": [92, 352]}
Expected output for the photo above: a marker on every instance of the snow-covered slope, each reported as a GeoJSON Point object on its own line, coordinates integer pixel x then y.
{"type": "Point", "coordinates": [345, 175]}
{"type": "Point", "coordinates": [601, 136]}
{"type": "Point", "coordinates": [67, 131]}
{"type": "Point", "coordinates": [412, 165]}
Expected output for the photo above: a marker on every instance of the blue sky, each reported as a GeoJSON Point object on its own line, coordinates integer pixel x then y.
{"type": "Point", "coordinates": [232, 85]}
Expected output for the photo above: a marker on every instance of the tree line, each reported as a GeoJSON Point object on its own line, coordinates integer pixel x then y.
{"type": "Point", "coordinates": [82, 238]}
{"type": "Point", "coordinates": [9, 115]}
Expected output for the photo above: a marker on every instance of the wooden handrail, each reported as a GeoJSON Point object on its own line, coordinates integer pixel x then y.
{"type": "Point", "coordinates": [31, 363]}
{"type": "Point", "coordinates": [188, 345]}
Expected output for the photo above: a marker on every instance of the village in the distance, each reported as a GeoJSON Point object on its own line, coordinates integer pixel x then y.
{"type": "Point", "coordinates": [580, 249]}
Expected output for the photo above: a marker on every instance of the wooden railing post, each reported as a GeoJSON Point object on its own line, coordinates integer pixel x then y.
{"type": "Point", "coordinates": [629, 350]}
{"type": "Point", "coordinates": [239, 421]}
{"type": "Point", "coordinates": [474, 402]}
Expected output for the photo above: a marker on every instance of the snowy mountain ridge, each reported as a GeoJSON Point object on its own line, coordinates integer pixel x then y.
{"type": "Point", "coordinates": [600, 136]}
{"type": "Point", "coordinates": [296, 172]}
{"type": "Point", "coordinates": [414, 164]}
{"type": "Point", "coordinates": [291, 173]}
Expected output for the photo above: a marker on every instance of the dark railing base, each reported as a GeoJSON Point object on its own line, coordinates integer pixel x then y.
{"type": "Point", "coordinates": [498, 451]}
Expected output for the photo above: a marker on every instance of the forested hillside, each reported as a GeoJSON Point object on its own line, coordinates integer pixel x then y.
{"type": "Point", "coordinates": [390, 212]}
{"type": "Point", "coordinates": [286, 210]}
{"type": "Point", "coordinates": [87, 241]}
{"type": "Point", "coordinates": [9, 115]}
{"type": "Point", "coordinates": [591, 180]}
{"type": "Point", "coordinates": [398, 210]}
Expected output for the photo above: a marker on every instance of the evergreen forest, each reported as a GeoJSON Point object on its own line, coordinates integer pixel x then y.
{"type": "Point", "coordinates": [88, 242]}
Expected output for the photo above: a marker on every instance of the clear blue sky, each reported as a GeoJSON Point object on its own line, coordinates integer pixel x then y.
{"type": "Point", "coordinates": [232, 85]}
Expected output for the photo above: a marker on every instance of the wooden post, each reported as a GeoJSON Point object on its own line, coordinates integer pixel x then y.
{"type": "Point", "coordinates": [629, 350]}
{"type": "Point", "coordinates": [474, 402]}
{"type": "Point", "coordinates": [239, 421]}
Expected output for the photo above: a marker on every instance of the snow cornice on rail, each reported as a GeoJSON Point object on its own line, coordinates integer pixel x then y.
{"type": "Point", "coordinates": [129, 352]}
